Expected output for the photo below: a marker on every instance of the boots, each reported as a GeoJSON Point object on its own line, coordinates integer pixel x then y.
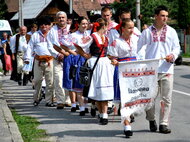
{"type": "Point", "coordinates": [25, 79]}
{"type": "Point", "coordinates": [19, 79]}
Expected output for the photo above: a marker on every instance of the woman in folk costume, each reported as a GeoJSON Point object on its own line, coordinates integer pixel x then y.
{"type": "Point", "coordinates": [101, 87]}
{"type": "Point", "coordinates": [81, 36]}
{"type": "Point", "coordinates": [123, 48]}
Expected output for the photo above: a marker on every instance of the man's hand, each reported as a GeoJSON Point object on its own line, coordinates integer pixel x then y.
{"type": "Point", "coordinates": [26, 62]}
{"type": "Point", "coordinates": [13, 57]}
{"type": "Point", "coordinates": [170, 58]}
{"type": "Point", "coordinates": [60, 57]}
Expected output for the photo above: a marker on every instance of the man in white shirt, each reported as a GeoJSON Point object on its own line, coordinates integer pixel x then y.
{"type": "Point", "coordinates": [34, 28]}
{"type": "Point", "coordinates": [43, 65]}
{"type": "Point", "coordinates": [57, 32]}
{"type": "Point", "coordinates": [161, 42]}
{"type": "Point", "coordinates": [106, 13]}
{"type": "Point", "coordinates": [18, 47]}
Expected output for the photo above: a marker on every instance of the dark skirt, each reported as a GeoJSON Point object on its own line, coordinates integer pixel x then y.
{"type": "Point", "coordinates": [72, 84]}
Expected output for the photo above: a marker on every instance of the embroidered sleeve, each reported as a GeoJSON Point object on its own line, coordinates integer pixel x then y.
{"type": "Point", "coordinates": [112, 49]}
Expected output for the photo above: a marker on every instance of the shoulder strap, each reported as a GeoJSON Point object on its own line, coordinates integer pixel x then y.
{"type": "Point", "coordinates": [97, 59]}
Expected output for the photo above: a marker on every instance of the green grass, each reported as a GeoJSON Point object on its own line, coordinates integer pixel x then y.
{"type": "Point", "coordinates": [28, 128]}
{"type": "Point", "coordinates": [186, 55]}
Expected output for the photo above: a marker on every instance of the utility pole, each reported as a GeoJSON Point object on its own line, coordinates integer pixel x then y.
{"type": "Point", "coordinates": [20, 13]}
{"type": "Point", "coordinates": [138, 14]}
{"type": "Point", "coordinates": [70, 6]}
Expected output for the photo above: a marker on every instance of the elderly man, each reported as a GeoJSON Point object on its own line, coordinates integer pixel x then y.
{"type": "Point", "coordinates": [57, 32]}
{"type": "Point", "coordinates": [18, 47]}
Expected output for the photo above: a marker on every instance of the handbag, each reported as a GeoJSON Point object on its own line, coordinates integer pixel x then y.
{"type": "Point", "coordinates": [73, 70]}
{"type": "Point", "coordinates": [86, 72]}
{"type": "Point", "coordinates": [8, 62]}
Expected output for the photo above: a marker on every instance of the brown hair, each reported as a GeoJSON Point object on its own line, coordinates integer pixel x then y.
{"type": "Point", "coordinates": [105, 9]}
{"type": "Point", "coordinates": [101, 22]}
{"type": "Point", "coordinates": [125, 22]}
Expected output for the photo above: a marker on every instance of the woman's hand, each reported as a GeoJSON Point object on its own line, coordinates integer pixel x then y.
{"type": "Point", "coordinates": [87, 56]}
{"type": "Point", "coordinates": [114, 62]}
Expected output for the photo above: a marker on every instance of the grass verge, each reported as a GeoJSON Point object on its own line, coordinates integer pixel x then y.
{"type": "Point", "coordinates": [186, 55]}
{"type": "Point", "coordinates": [28, 128]}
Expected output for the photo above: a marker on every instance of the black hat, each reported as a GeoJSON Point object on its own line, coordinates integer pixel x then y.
{"type": "Point", "coordinates": [44, 20]}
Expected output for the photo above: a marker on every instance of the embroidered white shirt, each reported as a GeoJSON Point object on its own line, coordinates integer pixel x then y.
{"type": "Point", "coordinates": [156, 49]}
{"type": "Point", "coordinates": [37, 45]}
{"type": "Point", "coordinates": [120, 48]}
{"type": "Point", "coordinates": [54, 38]}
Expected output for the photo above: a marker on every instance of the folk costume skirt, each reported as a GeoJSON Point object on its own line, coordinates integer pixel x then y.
{"type": "Point", "coordinates": [101, 87]}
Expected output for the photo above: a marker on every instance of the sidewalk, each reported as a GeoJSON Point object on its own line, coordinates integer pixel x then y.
{"type": "Point", "coordinates": [186, 61]}
{"type": "Point", "coordinates": [8, 128]}
{"type": "Point", "coordinates": [61, 125]}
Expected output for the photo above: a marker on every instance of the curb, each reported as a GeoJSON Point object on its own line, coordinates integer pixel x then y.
{"type": "Point", "coordinates": [186, 63]}
{"type": "Point", "coordinates": [10, 122]}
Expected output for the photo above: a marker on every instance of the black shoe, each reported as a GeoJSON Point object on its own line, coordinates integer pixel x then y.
{"type": "Point", "coordinates": [153, 126]}
{"type": "Point", "coordinates": [50, 105]}
{"type": "Point", "coordinates": [118, 111]}
{"type": "Point", "coordinates": [24, 84]}
{"type": "Point", "coordinates": [128, 133]}
{"type": "Point", "coordinates": [164, 129]}
{"type": "Point", "coordinates": [82, 113]}
{"type": "Point", "coordinates": [67, 105]}
{"type": "Point", "coordinates": [86, 110]}
{"type": "Point", "coordinates": [110, 109]}
{"type": "Point", "coordinates": [93, 112]}
{"type": "Point", "coordinates": [19, 83]}
{"type": "Point", "coordinates": [132, 118]}
{"type": "Point", "coordinates": [103, 121]}
{"type": "Point", "coordinates": [73, 109]}
{"type": "Point", "coordinates": [60, 106]}
{"type": "Point", "coordinates": [35, 103]}
{"type": "Point", "coordinates": [77, 107]}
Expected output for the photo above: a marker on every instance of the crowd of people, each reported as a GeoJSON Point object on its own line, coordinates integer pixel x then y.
{"type": "Point", "coordinates": [51, 53]}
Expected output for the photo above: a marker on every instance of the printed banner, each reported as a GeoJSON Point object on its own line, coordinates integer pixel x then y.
{"type": "Point", "coordinates": [138, 85]}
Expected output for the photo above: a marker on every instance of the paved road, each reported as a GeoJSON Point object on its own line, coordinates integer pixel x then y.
{"type": "Point", "coordinates": [63, 125]}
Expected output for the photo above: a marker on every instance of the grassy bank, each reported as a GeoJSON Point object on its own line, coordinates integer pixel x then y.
{"type": "Point", "coordinates": [186, 55]}
{"type": "Point", "coordinates": [28, 128]}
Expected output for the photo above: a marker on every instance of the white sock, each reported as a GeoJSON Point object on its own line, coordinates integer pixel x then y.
{"type": "Point", "coordinates": [127, 127]}
{"type": "Point", "coordinates": [86, 105]}
{"type": "Point", "coordinates": [73, 105]}
{"type": "Point", "coordinates": [104, 115]}
{"type": "Point", "coordinates": [82, 108]}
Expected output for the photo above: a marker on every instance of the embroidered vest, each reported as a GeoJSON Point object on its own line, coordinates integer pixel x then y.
{"type": "Point", "coordinates": [96, 48]}
{"type": "Point", "coordinates": [17, 40]}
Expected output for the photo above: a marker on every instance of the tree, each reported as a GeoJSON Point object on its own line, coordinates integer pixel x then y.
{"type": "Point", "coordinates": [3, 9]}
{"type": "Point", "coordinates": [184, 14]}
{"type": "Point", "coordinates": [147, 9]}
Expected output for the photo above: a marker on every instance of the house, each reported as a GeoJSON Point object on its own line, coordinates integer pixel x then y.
{"type": "Point", "coordinates": [33, 9]}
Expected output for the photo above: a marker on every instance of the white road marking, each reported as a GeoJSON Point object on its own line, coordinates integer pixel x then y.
{"type": "Point", "coordinates": [180, 92]}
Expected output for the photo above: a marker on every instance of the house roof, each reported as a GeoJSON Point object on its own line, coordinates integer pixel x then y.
{"type": "Point", "coordinates": [105, 1]}
{"type": "Point", "coordinates": [12, 5]}
{"type": "Point", "coordinates": [32, 8]}
{"type": "Point", "coordinates": [81, 6]}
